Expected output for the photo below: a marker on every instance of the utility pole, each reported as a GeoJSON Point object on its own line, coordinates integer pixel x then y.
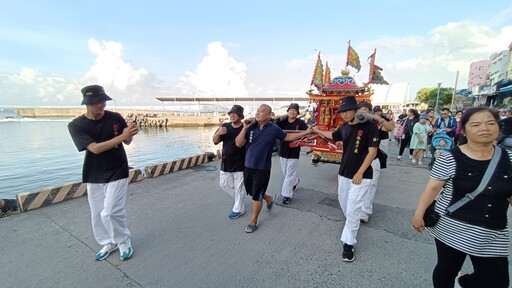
{"type": "Point", "coordinates": [437, 98]}
{"type": "Point", "coordinates": [454, 90]}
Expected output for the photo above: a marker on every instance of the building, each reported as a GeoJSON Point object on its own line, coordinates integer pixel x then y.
{"type": "Point", "coordinates": [498, 69]}
{"type": "Point", "coordinates": [478, 73]}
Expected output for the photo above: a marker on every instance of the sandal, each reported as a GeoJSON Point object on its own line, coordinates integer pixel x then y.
{"type": "Point", "coordinates": [269, 206]}
{"type": "Point", "coordinates": [251, 228]}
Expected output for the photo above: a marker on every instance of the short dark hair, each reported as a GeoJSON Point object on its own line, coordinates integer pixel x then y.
{"type": "Point", "coordinates": [464, 119]}
{"type": "Point", "coordinates": [446, 109]}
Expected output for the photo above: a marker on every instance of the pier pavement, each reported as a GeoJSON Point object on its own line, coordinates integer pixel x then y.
{"type": "Point", "coordinates": [182, 237]}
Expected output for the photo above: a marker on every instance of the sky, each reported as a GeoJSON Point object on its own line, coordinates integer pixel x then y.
{"type": "Point", "coordinates": [140, 50]}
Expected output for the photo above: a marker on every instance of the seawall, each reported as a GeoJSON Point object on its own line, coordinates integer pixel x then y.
{"type": "Point", "coordinates": [145, 118]}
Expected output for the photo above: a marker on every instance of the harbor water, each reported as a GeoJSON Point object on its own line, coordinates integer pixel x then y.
{"type": "Point", "coordinates": [37, 154]}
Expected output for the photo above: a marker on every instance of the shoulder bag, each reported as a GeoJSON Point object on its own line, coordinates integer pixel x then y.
{"type": "Point", "coordinates": [431, 216]}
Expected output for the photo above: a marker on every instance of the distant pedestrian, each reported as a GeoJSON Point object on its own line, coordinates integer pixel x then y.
{"type": "Point", "coordinates": [231, 178]}
{"type": "Point", "coordinates": [360, 144]}
{"type": "Point", "coordinates": [288, 156]}
{"type": "Point", "coordinates": [101, 134]}
{"type": "Point", "coordinates": [419, 139]}
{"type": "Point", "coordinates": [259, 137]}
{"type": "Point", "coordinates": [408, 124]}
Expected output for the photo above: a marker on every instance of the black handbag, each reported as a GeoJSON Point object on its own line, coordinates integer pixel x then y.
{"type": "Point", "coordinates": [431, 216]}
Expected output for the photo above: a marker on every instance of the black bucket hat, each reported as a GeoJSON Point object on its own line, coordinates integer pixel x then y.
{"type": "Point", "coordinates": [94, 94]}
{"type": "Point", "coordinates": [294, 106]}
{"type": "Point", "coordinates": [238, 110]}
{"type": "Point", "coordinates": [348, 103]}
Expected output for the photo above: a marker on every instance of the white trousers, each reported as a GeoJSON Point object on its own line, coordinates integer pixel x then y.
{"type": "Point", "coordinates": [351, 198]}
{"type": "Point", "coordinates": [289, 168]}
{"type": "Point", "coordinates": [233, 184]}
{"type": "Point", "coordinates": [108, 216]}
{"type": "Point", "coordinates": [384, 145]}
{"type": "Point", "coordinates": [372, 189]}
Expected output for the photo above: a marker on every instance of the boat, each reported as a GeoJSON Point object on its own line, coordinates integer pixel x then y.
{"type": "Point", "coordinates": [8, 114]}
{"type": "Point", "coordinates": [325, 95]}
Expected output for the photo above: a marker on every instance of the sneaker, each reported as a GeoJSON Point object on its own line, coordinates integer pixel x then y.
{"type": "Point", "coordinates": [398, 157]}
{"type": "Point", "coordinates": [105, 251]}
{"type": "Point", "coordinates": [413, 161]}
{"type": "Point", "coordinates": [125, 250]}
{"type": "Point", "coordinates": [296, 185]}
{"type": "Point", "coordinates": [420, 163]}
{"type": "Point", "coordinates": [286, 200]}
{"type": "Point", "coordinates": [364, 217]}
{"type": "Point", "coordinates": [410, 157]}
{"type": "Point", "coordinates": [234, 215]}
{"type": "Point", "coordinates": [348, 253]}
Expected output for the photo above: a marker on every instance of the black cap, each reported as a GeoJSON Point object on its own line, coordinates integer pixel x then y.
{"type": "Point", "coordinates": [238, 110]}
{"type": "Point", "coordinates": [94, 94]}
{"type": "Point", "coordinates": [377, 108]}
{"type": "Point", "coordinates": [366, 104]}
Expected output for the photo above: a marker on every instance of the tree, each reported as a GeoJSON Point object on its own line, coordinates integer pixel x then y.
{"type": "Point", "coordinates": [429, 95]}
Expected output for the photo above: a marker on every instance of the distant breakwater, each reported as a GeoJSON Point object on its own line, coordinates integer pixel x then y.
{"type": "Point", "coordinates": [144, 118]}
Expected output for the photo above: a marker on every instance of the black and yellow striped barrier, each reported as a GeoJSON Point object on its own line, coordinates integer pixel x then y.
{"type": "Point", "coordinates": [177, 165]}
{"type": "Point", "coordinates": [28, 201]}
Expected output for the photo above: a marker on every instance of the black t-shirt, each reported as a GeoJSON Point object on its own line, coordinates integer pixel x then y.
{"type": "Point", "coordinates": [383, 134]}
{"type": "Point", "coordinates": [356, 141]}
{"type": "Point", "coordinates": [284, 148]}
{"type": "Point", "coordinates": [108, 166]}
{"type": "Point", "coordinates": [233, 157]}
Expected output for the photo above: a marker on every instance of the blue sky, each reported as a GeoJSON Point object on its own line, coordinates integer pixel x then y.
{"type": "Point", "coordinates": [140, 50]}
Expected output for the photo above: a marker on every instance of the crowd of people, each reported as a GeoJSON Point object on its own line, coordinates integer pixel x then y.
{"type": "Point", "coordinates": [471, 150]}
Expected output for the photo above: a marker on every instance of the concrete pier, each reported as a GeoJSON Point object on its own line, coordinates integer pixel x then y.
{"type": "Point", "coordinates": [182, 237]}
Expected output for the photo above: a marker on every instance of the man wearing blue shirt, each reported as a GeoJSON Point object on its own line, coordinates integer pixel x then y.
{"type": "Point", "coordinates": [259, 137]}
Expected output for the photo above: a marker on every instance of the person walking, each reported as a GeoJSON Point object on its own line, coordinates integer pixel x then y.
{"type": "Point", "coordinates": [412, 118]}
{"type": "Point", "coordinates": [360, 144]}
{"type": "Point", "coordinates": [289, 157]}
{"type": "Point", "coordinates": [231, 178]}
{"type": "Point", "coordinates": [259, 136]}
{"type": "Point", "coordinates": [384, 125]}
{"type": "Point", "coordinates": [101, 134]}
{"type": "Point", "coordinates": [419, 139]}
{"type": "Point", "coordinates": [478, 228]}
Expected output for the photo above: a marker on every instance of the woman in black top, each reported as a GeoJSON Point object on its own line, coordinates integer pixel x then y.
{"type": "Point", "coordinates": [412, 118]}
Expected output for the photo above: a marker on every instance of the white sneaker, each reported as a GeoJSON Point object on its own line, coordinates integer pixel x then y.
{"type": "Point", "coordinates": [398, 157]}
{"type": "Point", "coordinates": [364, 217]}
{"type": "Point", "coordinates": [410, 157]}
{"type": "Point", "coordinates": [413, 161]}
{"type": "Point", "coordinates": [105, 251]}
{"type": "Point", "coordinates": [125, 250]}
{"type": "Point", "coordinates": [420, 163]}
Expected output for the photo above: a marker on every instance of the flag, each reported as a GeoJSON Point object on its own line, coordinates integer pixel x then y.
{"type": "Point", "coordinates": [375, 75]}
{"type": "Point", "coordinates": [353, 58]}
{"type": "Point", "coordinates": [327, 75]}
{"type": "Point", "coordinates": [318, 74]}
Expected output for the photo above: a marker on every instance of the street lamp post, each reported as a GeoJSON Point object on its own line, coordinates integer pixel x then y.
{"type": "Point", "coordinates": [437, 98]}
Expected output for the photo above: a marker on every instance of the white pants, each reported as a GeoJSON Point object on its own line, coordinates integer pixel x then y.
{"type": "Point", "coordinates": [384, 145]}
{"type": "Point", "coordinates": [289, 167]}
{"type": "Point", "coordinates": [351, 198]}
{"type": "Point", "coordinates": [108, 216]}
{"type": "Point", "coordinates": [233, 184]}
{"type": "Point", "coordinates": [372, 189]}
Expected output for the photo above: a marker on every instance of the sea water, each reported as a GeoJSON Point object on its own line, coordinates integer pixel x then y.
{"type": "Point", "coordinates": [38, 153]}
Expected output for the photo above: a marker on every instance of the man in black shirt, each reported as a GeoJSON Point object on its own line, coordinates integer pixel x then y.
{"type": "Point", "coordinates": [360, 144]}
{"type": "Point", "coordinates": [101, 134]}
{"type": "Point", "coordinates": [232, 166]}
{"type": "Point", "coordinates": [289, 157]}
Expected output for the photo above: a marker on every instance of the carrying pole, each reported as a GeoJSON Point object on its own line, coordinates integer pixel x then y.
{"type": "Point", "coordinates": [454, 90]}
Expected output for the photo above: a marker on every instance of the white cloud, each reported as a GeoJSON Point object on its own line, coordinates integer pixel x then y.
{"type": "Point", "coordinates": [217, 75]}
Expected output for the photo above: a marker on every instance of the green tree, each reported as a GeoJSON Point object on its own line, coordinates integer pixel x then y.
{"type": "Point", "coordinates": [429, 95]}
